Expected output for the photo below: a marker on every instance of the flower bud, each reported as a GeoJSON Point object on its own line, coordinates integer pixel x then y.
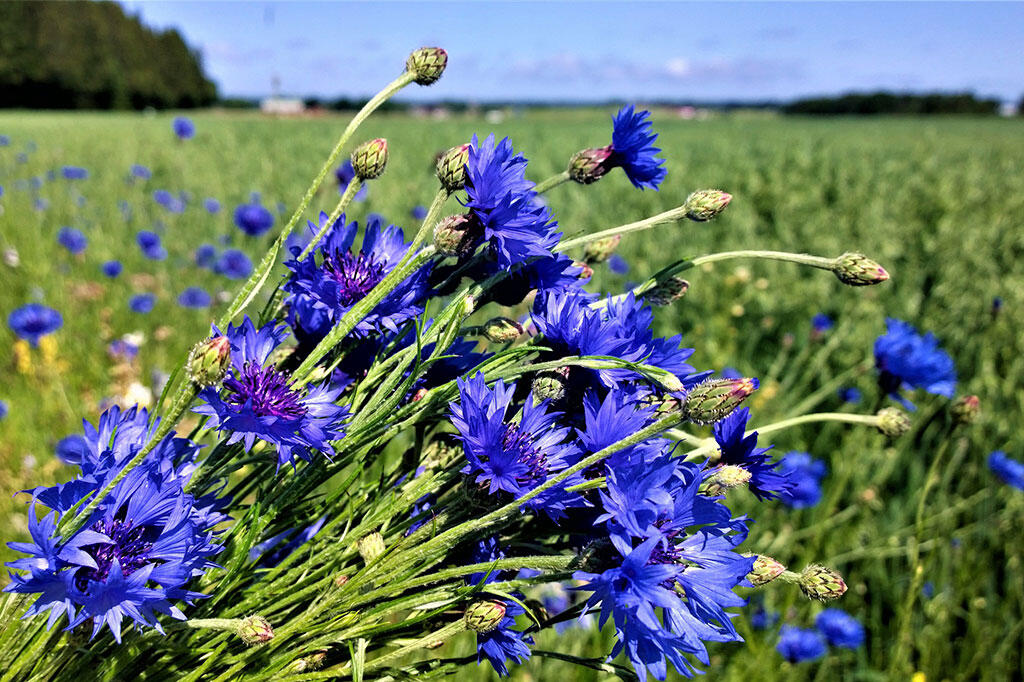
{"type": "Point", "coordinates": [715, 399]}
{"type": "Point", "coordinates": [726, 477]}
{"type": "Point", "coordinates": [550, 384]}
{"type": "Point", "coordinates": [765, 570]}
{"type": "Point", "coordinates": [589, 165]}
{"type": "Point", "coordinates": [600, 250]}
{"type": "Point", "coordinates": [705, 204]}
{"type": "Point", "coordinates": [893, 422]}
{"type": "Point", "coordinates": [455, 235]}
{"type": "Point", "coordinates": [668, 292]}
{"type": "Point", "coordinates": [427, 64]}
{"type": "Point", "coordinates": [370, 546]}
{"type": "Point", "coordinates": [208, 361]}
{"type": "Point", "coordinates": [370, 159]}
{"type": "Point", "coordinates": [484, 616]}
{"type": "Point", "coordinates": [586, 272]}
{"type": "Point", "coordinates": [314, 661]}
{"type": "Point", "coordinates": [965, 410]}
{"type": "Point", "coordinates": [255, 630]}
{"type": "Point", "coordinates": [502, 330]}
{"type": "Point", "coordinates": [858, 270]}
{"type": "Point", "coordinates": [823, 584]}
{"type": "Point", "coordinates": [340, 580]}
{"type": "Point", "coordinates": [451, 168]}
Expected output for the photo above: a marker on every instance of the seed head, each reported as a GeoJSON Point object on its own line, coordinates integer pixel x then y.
{"type": "Point", "coordinates": [668, 292]}
{"type": "Point", "coordinates": [370, 546]}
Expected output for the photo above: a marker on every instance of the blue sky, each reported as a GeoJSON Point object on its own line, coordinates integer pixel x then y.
{"type": "Point", "coordinates": [597, 51]}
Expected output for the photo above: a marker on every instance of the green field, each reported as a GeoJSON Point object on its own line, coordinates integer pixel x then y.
{"type": "Point", "coordinates": [939, 202]}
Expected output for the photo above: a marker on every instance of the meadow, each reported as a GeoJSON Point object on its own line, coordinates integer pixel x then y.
{"type": "Point", "coordinates": [927, 537]}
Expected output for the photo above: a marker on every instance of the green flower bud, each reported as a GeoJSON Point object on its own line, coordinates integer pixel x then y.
{"type": "Point", "coordinates": [484, 616]}
{"type": "Point", "coordinates": [370, 546]}
{"type": "Point", "coordinates": [427, 64]}
{"type": "Point", "coordinates": [255, 630]}
{"type": "Point", "coordinates": [208, 361]}
{"type": "Point", "coordinates": [705, 204]}
{"type": "Point", "coordinates": [600, 250]}
{"type": "Point", "coordinates": [456, 235]}
{"type": "Point", "coordinates": [823, 584]}
{"type": "Point", "coordinates": [668, 292]}
{"type": "Point", "coordinates": [502, 330]}
{"type": "Point", "coordinates": [451, 168]}
{"type": "Point", "coordinates": [858, 270]}
{"type": "Point", "coordinates": [550, 384]}
{"type": "Point", "coordinates": [893, 422]}
{"type": "Point", "coordinates": [314, 661]}
{"type": "Point", "coordinates": [370, 159]}
{"type": "Point", "coordinates": [715, 399]}
{"type": "Point", "coordinates": [586, 272]}
{"type": "Point", "coordinates": [589, 165]}
{"type": "Point", "coordinates": [726, 477]}
{"type": "Point", "coordinates": [765, 570]}
{"type": "Point", "coordinates": [965, 410]}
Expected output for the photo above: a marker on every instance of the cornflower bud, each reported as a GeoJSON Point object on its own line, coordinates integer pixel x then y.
{"type": "Point", "coordinates": [484, 616]}
{"type": "Point", "coordinates": [715, 399]}
{"type": "Point", "coordinates": [893, 422]}
{"type": "Point", "coordinates": [208, 361]}
{"type": "Point", "coordinates": [255, 630]}
{"type": "Point", "coordinates": [726, 477]}
{"type": "Point", "coordinates": [502, 330]}
{"type": "Point", "coordinates": [314, 661]}
{"type": "Point", "coordinates": [586, 271]}
{"type": "Point", "coordinates": [340, 580]}
{"type": "Point", "coordinates": [600, 250]}
{"type": "Point", "coordinates": [427, 64]}
{"type": "Point", "coordinates": [668, 292]}
{"type": "Point", "coordinates": [455, 235]}
{"type": "Point", "coordinates": [966, 410]}
{"type": "Point", "coordinates": [370, 159]}
{"type": "Point", "coordinates": [587, 166]}
{"type": "Point", "coordinates": [823, 584]}
{"type": "Point", "coordinates": [370, 546]}
{"type": "Point", "coordinates": [765, 570]}
{"type": "Point", "coordinates": [451, 168]}
{"type": "Point", "coordinates": [705, 204]}
{"type": "Point", "coordinates": [858, 270]}
{"type": "Point", "coordinates": [550, 384]}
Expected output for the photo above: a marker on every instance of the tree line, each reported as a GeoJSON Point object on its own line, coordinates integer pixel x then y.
{"type": "Point", "coordinates": [895, 103]}
{"type": "Point", "coordinates": [92, 55]}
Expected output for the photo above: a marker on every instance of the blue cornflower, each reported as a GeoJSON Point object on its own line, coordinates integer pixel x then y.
{"type": "Point", "coordinates": [3, 409]}
{"type": "Point", "coordinates": [1010, 471]}
{"type": "Point", "coordinates": [112, 268]}
{"type": "Point", "coordinates": [320, 293]}
{"type": "Point", "coordinates": [798, 644]}
{"type": "Point", "coordinates": [145, 541]}
{"type": "Point", "coordinates": [821, 323]}
{"type": "Point", "coordinates": [840, 628]}
{"type": "Point", "coordinates": [4, 141]}
{"type": "Point", "coordinates": [194, 297]}
{"type": "Point", "coordinates": [508, 216]}
{"type": "Point", "coordinates": [259, 402]}
{"type": "Point", "coordinates": [73, 240]}
{"type": "Point", "coordinates": [34, 321]}
{"type": "Point", "coordinates": [345, 174]}
{"type": "Point", "coordinates": [74, 173]}
{"type": "Point", "coordinates": [211, 205]}
{"type": "Point", "coordinates": [73, 449]}
{"type": "Point", "coordinates": [233, 264]}
{"type": "Point", "coordinates": [418, 212]}
{"type": "Point", "coordinates": [849, 394]}
{"type": "Point", "coordinates": [149, 244]}
{"type": "Point", "coordinates": [761, 619]}
{"type": "Point", "coordinates": [142, 303]}
{"type": "Point", "coordinates": [543, 275]}
{"type": "Point", "coordinates": [40, 204]}
{"type": "Point", "coordinates": [206, 256]}
{"type": "Point", "coordinates": [904, 359]}
{"type": "Point", "coordinates": [504, 642]}
{"type": "Point", "coordinates": [122, 350]}
{"type": "Point", "coordinates": [741, 450]}
{"type": "Point", "coordinates": [632, 148]}
{"type": "Point", "coordinates": [803, 474]}
{"type": "Point", "coordinates": [141, 172]}
{"type": "Point", "coordinates": [174, 204]}
{"type": "Point", "coordinates": [253, 218]}
{"type": "Point", "coordinates": [618, 264]}
{"type": "Point", "coordinates": [513, 457]}
{"type": "Point", "coordinates": [183, 127]}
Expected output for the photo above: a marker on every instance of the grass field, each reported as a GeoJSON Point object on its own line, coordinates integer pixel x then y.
{"type": "Point", "coordinates": [940, 202]}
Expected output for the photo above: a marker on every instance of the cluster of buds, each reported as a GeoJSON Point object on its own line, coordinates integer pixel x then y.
{"type": "Point", "coordinates": [600, 250]}
{"type": "Point", "coordinates": [893, 422]}
{"type": "Point", "coordinates": [590, 165]}
{"type": "Point", "coordinates": [370, 159]}
{"type": "Point", "coordinates": [455, 235]}
{"type": "Point", "coordinates": [484, 616]}
{"type": "Point", "coordinates": [667, 292]}
{"type": "Point", "coordinates": [858, 270]}
{"type": "Point", "coordinates": [705, 204]}
{"type": "Point", "coordinates": [451, 168]}
{"type": "Point", "coordinates": [713, 400]}
{"type": "Point", "coordinates": [208, 361]}
{"type": "Point", "coordinates": [427, 64]}
{"type": "Point", "coordinates": [501, 330]}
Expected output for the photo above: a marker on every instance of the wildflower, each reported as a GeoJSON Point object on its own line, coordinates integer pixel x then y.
{"type": "Point", "coordinates": [233, 264]}
{"type": "Point", "coordinates": [849, 394]}
{"type": "Point", "coordinates": [74, 173]}
{"type": "Point", "coordinates": [821, 323]}
{"type": "Point", "coordinates": [761, 619]}
{"type": "Point", "coordinates": [141, 172]}
{"type": "Point", "coordinates": [123, 349]}
{"type": "Point", "coordinates": [211, 205]}
{"type": "Point", "coordinates": [797, 644]}
{"type": "Point", "coordinates": [111, 268]}
{"type": "Point", "coordinates": [149, 244]}
{"type": "Point", "coordinates": [174, 204]}
{"type": "Point", "coordinates": [253, 219]}
{"type": "Point", "coordinates": [34, 321]}
{"type": "Point", "coordinates": [504, 642]}
{"type": "Point", "coordinates": [741, 450]}
{"type": "Point", "coordinates": [73, 240]}
{"type": "Point", "coordinates": [633, 151]}
{"type": "Point", "coordinates": [183, 127]}
{"type": "Point", "coordinates": [72, 449]}
{"type": "Point", "coordinates": [3, 409]}
{"type": "Point", "coordinates": [906, 359]}
{"type": "Point", "coordinates": [345, 174]}
{"type": "Point", "coordinates": [840, 628]}
{"type": "Point", "coordinates": [259, 402]}
{"type": "Point", "coordinates": [418, 212]}
{"type": "Point", "coordinates": [1010, 471]}
{"type": "Point", "coordinates": [319, 294]}
{"type": "Point", "coordinates": [618, 265]}
{"type": "Point", "coordinates": [427, 64]}
{"type": "Point", "coordinates": [142, 303]}
{"type": "Point", "coordinates": [194, 297]}
{"type": "Point", "coordinates": [804, 475]}
{"type": "Point", "coordinates": [206, 256]}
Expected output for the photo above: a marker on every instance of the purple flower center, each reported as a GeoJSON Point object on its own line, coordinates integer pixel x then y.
{"type": "Point", "coordinates": [268, 389]}
{"type": "Point", "coordinates": [131, 545]}
{"type": "Point", "coordinates": [520, 445]}
{"type": "Point", "coordinates": [356, 275]}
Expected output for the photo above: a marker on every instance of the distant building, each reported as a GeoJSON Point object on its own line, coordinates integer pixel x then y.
{"type": "Point", "coordinates": [1008, 109]}
{"type": "Point", "coordinates": [282, 106]}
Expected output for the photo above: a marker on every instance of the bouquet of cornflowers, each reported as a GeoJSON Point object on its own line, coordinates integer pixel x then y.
{"type": "Point", "coordinates": [407, 442]}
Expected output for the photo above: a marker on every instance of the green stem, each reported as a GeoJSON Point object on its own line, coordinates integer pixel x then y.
{"type": "Point", "coordinates": [801, 258]}
{"type": "Point", "coordinates": [427, 226]}
{"type": "Point", "coordinates": [866, 419]}
{"type": "Point", "coordinates": [552, 182]}
{"type": "Point", "coordinates": [346, 199]}
{"type": "Point", "coordinates": [670, 216]}
{"type": "Point", "coordinates": [445, 633]}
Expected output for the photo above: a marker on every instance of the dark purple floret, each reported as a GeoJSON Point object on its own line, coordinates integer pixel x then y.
{"type": "Point", "coordinates": [356, 274]}
{"type": "Point", "coordinates": [253, 219]}
{"type": "Point", "coordinates": [267, 388]}
{"type": "Point", "coordinates": [130, 547]}
{"type": "Point", "coordinates": [34, 321]}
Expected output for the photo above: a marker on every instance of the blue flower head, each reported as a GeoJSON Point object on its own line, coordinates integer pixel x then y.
{"type": "Point", "coordinates": [73, 240]}
{"type": "Point", "coordinates": [141, 172]}
{"type": "Point", "coordinates": [194, 297]}
{"type": "Point", "coordinates": [327, 283]}
{"type": "Point", "coordinates": [798, 644]}
{"type": "Point", "coordinates": [34, 321]}
{"type": "Point", "coordinates": [112, 268]}
{"type": "Point", "coordinates": [211, 205]}
{"type": "Point", "coordinates": [504, 642]}
{"type": "Point", "coordinates": [633, 148]}
{"type": "Point", "coordinates": [259, 401]}
{"type": "Point", "coordinates": [74, 173]}
{"type": "Point", "coordinates": [905, 359]}
{"type": "Point", "coordinates": [840, 628]}
{"type": "Point", "coordinates": [206, 256]}
{"type": "Point", "coordinates": [741, 450]}
{"type": "Point", "coordinates": [142, 303]}
{"type": "Point", "coordinates": [1010, 471]}
{"type": "Point", "coordinates": [183, 127]}
{"type": "Point", "coordinates": [253, 219]}
{"type": "Point", "coordinates": [821, 323]}
{"type": "Point", "coordinates": [149, 244]}
{"type": "Point", "coordinates": [233, 264]}
{"type": "Point", "coordinates": [803, 475]}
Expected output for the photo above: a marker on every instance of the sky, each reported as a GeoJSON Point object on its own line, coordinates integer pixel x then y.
{"type": "Point", "coordinates": [610, 50]}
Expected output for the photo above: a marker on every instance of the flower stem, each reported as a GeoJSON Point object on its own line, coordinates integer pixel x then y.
{"type": "Point", "coordinates": [670, 216]}
{"type": "Point", "coordinates": [445, 633]}
{"type": "Point", "coordinates": [552, 182]}
{"type": "Point", "coordinates": [427, 226]}
{"type": "Point", "coordinates": [346, 198]}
